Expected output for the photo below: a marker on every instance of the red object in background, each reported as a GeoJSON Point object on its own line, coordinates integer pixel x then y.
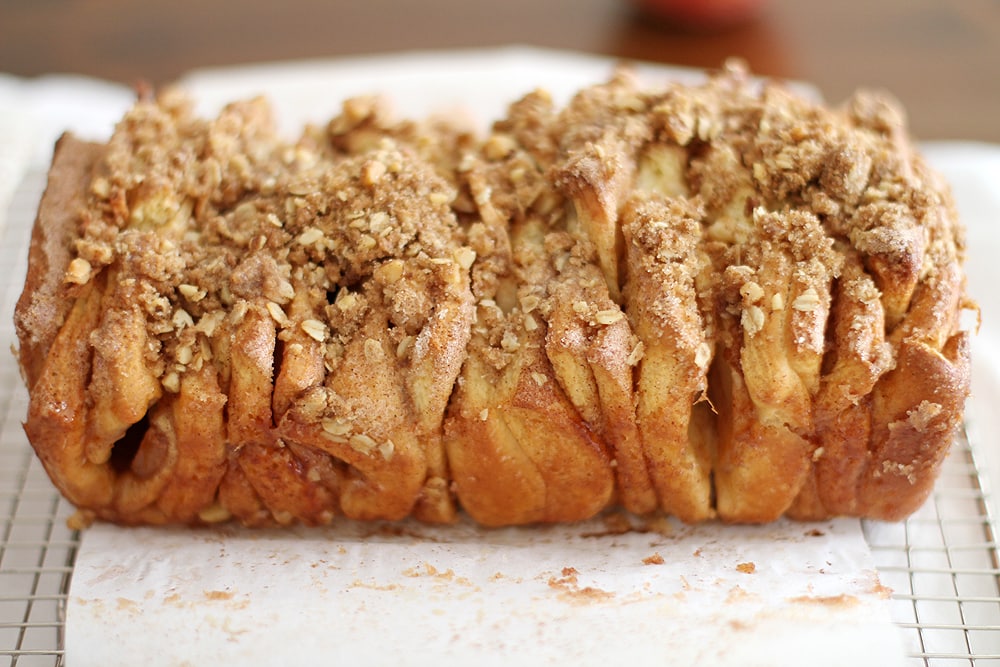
{"type": "Point", "coordinates": [701, 14]}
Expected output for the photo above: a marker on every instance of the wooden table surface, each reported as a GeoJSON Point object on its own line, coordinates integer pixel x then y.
{"type": "Point", "coordinates": [939, 57]}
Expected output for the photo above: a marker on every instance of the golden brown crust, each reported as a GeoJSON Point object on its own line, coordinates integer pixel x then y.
{"type": "Point", "coordinates": [45, 300]}
{"type": "Point", "coordinates": [719, 300]}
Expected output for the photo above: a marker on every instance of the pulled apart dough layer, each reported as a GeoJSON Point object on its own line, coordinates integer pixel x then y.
{"type": "Point", "coordinates": [711, 301]}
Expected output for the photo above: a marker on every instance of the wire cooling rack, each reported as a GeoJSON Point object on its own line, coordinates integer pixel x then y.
{"type": "Point", "coordinates": [943, 569]}
{"type": "Point", "coordinates": [942, 564]}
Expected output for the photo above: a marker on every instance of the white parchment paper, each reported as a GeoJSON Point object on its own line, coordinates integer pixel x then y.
{"type": "Point", "coordinates": [609, 590]}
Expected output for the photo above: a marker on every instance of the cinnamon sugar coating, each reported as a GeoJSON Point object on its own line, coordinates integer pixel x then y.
{"type": "Point", "coordinates": [715, 301]}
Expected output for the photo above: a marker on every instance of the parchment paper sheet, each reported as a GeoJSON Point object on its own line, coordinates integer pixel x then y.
{"type": "Point", "coordinates": [609, 591]}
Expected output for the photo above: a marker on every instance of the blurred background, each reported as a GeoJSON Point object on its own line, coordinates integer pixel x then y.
{"type": "Point", "coordinates": [939, 57]}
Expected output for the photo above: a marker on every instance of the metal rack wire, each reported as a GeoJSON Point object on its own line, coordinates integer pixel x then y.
{"type": "Point", "coordinates": [942, 564]}
{"type": "Point", "coordinates": [943, 567]}
{"type": "Point", "coordinates": [36, 560]}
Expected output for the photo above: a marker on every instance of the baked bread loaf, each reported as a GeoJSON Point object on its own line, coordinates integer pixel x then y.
{"type": "Point", "coordinates": [713, 301]}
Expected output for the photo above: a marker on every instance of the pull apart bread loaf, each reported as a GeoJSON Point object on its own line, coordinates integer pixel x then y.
{"type": "Point", "coordinates": [711, 301]}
